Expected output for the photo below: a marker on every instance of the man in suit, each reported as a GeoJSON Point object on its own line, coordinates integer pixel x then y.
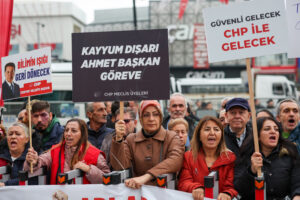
{"type": "Point", "coordinates": [9, 87]}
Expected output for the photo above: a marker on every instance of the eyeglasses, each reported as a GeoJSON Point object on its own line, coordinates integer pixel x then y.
{"type": "Point", "coordinates": [126, 120]}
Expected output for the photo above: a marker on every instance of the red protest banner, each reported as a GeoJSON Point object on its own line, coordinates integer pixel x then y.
{"type": "Point", "coordinates": [6, 9]}
{"type": "Point", "coordinates": [200, 47]}
{"type": "Point", "coordinates": [182, 7]}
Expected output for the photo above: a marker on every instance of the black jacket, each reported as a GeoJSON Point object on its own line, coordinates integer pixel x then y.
{"type": "Point", "coordinates": [191, 121]}
{"type": "Point", "coordinates": [96, 137]}
{"type": "Point", "coordinates": [16, 165]}
{"type": "Point", "coordinates": [230, 139]}
{"type": "Point", "coordinates": [281, 172]}
{"type": "Point", "coordinates": [8, 93]}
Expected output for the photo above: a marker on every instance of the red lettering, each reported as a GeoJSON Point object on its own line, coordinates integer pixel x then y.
{"type": "Point", "coordinates": [257, 30]}
{"type": "Point", "coordinates": [262, 41]}
{"type": "Point", "coordinates": [239, 45]}
{"type": "Point", "coordinates": [225, 47]}
{"type": "Point", "coordinates": [270, 40]}
{"type": "Point", "coordinates": [265, 28]}
{"type": "Point", "coordinates": [247, 43]}
{"type": "Point", "coordinates": [237, 32]}
{"type": "Point", "coordinates": [143, 198]}
{"type": "Point", "coordinates": [253, 44]}
{"type": "Point", "coordinates": [131, 198]}
{"type": "Point", "coordinates": [99, 198]}
{"type": "Point", "coordinates": [85, 199]}
{"type": "Point", "coordinates": [225, 34]}
{"type": "Point", "coordinates": [244, 30]}
{"type": "Point", "coordinates": [233, 46]}
{"type": "Point", "coordinates": [111, 198]}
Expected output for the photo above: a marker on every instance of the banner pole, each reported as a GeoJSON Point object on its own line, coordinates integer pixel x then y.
{"type": "Point", "coordinates": [253, 111]}
{"type": "Point", "coordinates": [30, 130]}
{"type": "Point", "coordinates": [121, 110]}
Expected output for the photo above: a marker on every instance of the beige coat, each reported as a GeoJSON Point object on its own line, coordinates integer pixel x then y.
{"type": "Point", "coordinates": [143, 154]}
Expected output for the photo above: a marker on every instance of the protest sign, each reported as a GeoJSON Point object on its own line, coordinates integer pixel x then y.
{"type": "Point", "coordinates": [92, 192]}
{"type": "Point", "coordinates": [26, 74]}
{"type": "Point", "coordinates": [122, 65]}
{"type": "Point", "coordinates": [293, 17]}
{"type": "Point", "coordinates": [244, 30]}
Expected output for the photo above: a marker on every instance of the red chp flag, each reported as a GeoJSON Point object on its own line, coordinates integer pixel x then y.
{"type": "Point", "coordinates": [224, 1]}
{"type": "Point", "coordinates": [182, 7]}
{"type": "Point", "coordinates": [6, 9]}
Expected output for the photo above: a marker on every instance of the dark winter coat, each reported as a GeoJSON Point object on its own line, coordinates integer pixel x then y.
{"type": "Point", "coordinates": [16, 166]}
{"type": "Point", "coordinates": [281, 172]}
{"type": "Point", "coordinates": [97, 137]}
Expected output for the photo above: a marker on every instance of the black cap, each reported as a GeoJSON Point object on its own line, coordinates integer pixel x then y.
{"type": "Point", "coordinates": [240, 102]}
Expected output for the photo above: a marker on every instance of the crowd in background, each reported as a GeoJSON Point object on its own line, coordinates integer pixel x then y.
{"type": "Point", "coordinates": [152, 144]}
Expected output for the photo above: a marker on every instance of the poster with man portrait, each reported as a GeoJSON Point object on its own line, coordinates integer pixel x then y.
{"type": "Point", "coordinates": [26, 74]}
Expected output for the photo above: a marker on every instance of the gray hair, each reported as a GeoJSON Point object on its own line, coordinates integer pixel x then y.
{"type": "Point", "coordinates": [177, 94]}
{"type": "Point", "coordinates": [23, 126]}
{"type": "Point", "coordinates": [90, 107]}
{"type": "Point", "coordinates": [127, 110]}
{"type": "Point", "coordinates": [278, 109]}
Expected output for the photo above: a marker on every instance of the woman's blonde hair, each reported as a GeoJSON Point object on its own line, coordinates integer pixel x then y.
{"type": "Point", "coordinates": [196, 144]}
{"type": "Point", "coordinates": [174, 122]}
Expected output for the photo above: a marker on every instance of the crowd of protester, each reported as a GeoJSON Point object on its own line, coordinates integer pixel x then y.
{"type": "Point", "coordinates": [151, 144]}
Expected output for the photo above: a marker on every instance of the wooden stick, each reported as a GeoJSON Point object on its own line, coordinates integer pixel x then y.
{"type": "Point", "coordinates": [253, 111]}
{"type": "Point", "coordinates": [30, 130]}
{"type": "Point", "coordinates": [121, 110]}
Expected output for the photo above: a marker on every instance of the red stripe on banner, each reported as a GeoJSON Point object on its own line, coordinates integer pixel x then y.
{"type": "Point", "coordinates": [6, 9]}
{"type": "Point", "coordinates": [259, 195]}
{"type": "Point", "coordinates": [35, 88]}
{"type": "Point", "coordinates": [182, 7]}
{"type": "Point", "coordinates": [22, 182]}
{"type": "Point", "coordinates": [200, 48]}
{"type": "Point", "coordinates": [209, 193]}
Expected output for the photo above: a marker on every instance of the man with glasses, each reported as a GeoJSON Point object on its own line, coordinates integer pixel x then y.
{"type": "Point", "coordinates": [46, 125]}
{"type": "Point", "coordinates": [125, 126]}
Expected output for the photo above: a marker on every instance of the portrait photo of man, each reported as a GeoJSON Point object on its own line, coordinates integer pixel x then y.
{"type": "Point", "coordinates": [10, 89]}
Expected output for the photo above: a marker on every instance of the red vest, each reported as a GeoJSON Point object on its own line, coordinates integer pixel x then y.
{"type": "Point", "coordinates": [90, 158]}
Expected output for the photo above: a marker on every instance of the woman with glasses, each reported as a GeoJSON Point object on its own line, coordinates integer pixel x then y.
{"type": "Point", "coordinates": [181, 127]}
{"type": "Point", "coordinates": [150, 152]}
{"type": "Point", "coordinates": [73, 152]}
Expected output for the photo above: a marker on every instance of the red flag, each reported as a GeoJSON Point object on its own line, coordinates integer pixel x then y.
{"type": "Point", "coordinates": [182, 6]}
{"type": "Point", "coordinates": [6, 9]}
{"type": "Point", "coordinates": [224, 1]}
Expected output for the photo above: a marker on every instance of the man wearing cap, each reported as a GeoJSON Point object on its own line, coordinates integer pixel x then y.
{"type": "Point", "coordinates": [237, 115]}
{"type": "Point", "coordinates": [288, 116]}
{"type": "Point", "coordinates": [150, 152]}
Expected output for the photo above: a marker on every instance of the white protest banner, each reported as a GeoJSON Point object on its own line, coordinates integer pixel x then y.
{"type": "Point", "coordinates": [293, 17]}
{"type": "Point", "coordinates": [26, 74]}
{"type": "Point", "coordinates": [243, 30]}
{"type": "Point", "coordinates": [93, 192]}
